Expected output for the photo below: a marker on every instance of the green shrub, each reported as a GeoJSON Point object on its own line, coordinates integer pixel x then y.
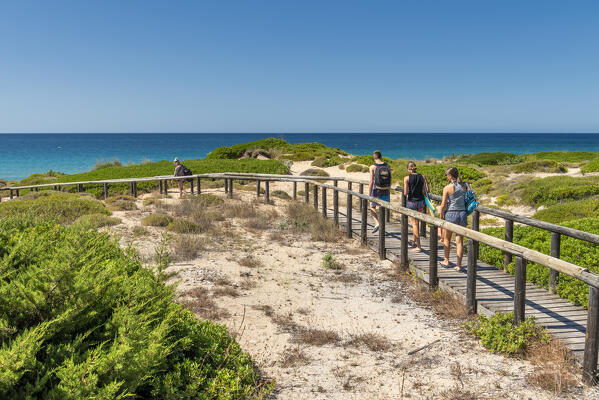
{"type": "Point", "coordinates": [81, 319]}
{"type": "Point", "coordinates": [569, 210]}
{"type": "Point", "coordinates": [157, 220]}
{"type": "Point", "coordinates": [61, 207]}
{"type": "Point", "coordinates": [121, 202]}
{"type": "Point", "coordinates": [498, 333]}
{"type": "Point", "coordinates": [491, 158]}
{"type": "Point", "coordinates": [539, 166]}
{"type": "Point", "coordinates": [556, 189]}
{"type": "Point", "coordinates": [40, 179]}
{"type": "Point", "coordinates": [315, 172]}
{"type": "Point", "coordinates": [209, 200]}
{"type": "Point", "coordinates": [183, 226]}
{"type": "Point", "coordinates": [572, 250]}
{"type": "Point", "coordinates": [591, 166]}
{"type": "Point", "coordinates": [106, 164]}
{"type": "Point", "coordinates": [95, 221]}
{"type": "Point", "coordinates": [355, 168]}
{"type": "Point", "coordinates": [565, 156]}
{"type": "Point", "coordinates": [368, 160]}
{"type": "Point", "coordinates": [330, 262]}
{"type": "Point", "coordinates": [281, 194]}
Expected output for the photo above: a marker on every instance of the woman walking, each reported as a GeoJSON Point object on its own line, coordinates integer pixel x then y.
{"type": "Point", "coordinates": [415, 187]}
{"type": "Point", "coordinates": [453, 209]}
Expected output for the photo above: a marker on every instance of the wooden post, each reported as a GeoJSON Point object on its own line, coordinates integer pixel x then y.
{"type": "Point", "coordinates": [404, 242]}
{"type": "Point", "coordinates": [471, 280]}
{"type": "Point", "coordinates": [165, 187]}
{"type": "Point", "coordinates": [388, 215]}
{"type": "Point", "coordinates": [348, 226]}
{"type": "Point", "coordinates": [79, 187]}
{"type": "Point", "coordinates": [134, 189]}
{"type": "Point", "coordinates": [591, 345]}
{"type": "Point", "coordinates": [226, 185]}
{"type": "Point", "coordinates": [11, 194]}
{"type": "Point", "coordinates": [258, 188]}
{"type": "Point", "coordinates": [361, 191]}
{"type": "Point", "coordinates": [315, 193]}
{"type": "Point", "coordinates": [382, 222]}
{"type": "Point", "coordinates": [364, 221]}
{"type": "Point", "coordinates": [199, 186]}
{"type": "Point", "coordinates": [230, 188]}
{"type": "Point", "coordinates": [555, 252]}
{"type": "Point", "coordinates": [476, 227]}
{"type": "Point", "coordinates": [324, 202]}
{"type": "Point", "coordinates": [509, 236]}
{"type": "Point", "coordinates": [160, 185]}
{"type": "Point", "coordinates": [18, 194]}
{"type": "Point", "coordinates": [433, 280]}
{"type": "Point", "coordinates": [307, 192]}
{"type": "Point", "coordinates": [294, 190]}
{"type": "Point", "coordinates": [191, 186]}
{"type": "Point", "coordinates": [267, 192]}
{"type": "Point", "coordinates": [520, 290]}
{"type": "Point", "coordinates": [105, 190]}
{"type": "Point", "coordinates": [336, 205]}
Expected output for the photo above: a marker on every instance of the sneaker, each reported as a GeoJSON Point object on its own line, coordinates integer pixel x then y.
{"type": "Point", "coordinates": [375, 229]}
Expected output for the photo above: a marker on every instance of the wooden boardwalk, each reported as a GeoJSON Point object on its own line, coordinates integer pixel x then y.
{"type": "Point", "coordinates": [494, 288]}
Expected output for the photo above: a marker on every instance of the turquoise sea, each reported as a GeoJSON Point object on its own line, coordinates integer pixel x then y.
{"type": "Point", "coordinates": [24, 154]}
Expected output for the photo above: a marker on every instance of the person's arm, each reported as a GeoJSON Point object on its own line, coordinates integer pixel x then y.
{"type": "Point", "coordinates": [444, 202]}
{"type": "Point", "coordinates": [371, 181]}
{"type": "Point", "coordinates": [406, 188]}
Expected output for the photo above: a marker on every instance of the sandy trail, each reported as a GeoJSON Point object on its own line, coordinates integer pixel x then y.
{"type": "Point", "coordinates": [323, 334]}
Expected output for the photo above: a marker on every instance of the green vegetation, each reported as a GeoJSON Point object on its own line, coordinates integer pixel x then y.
{"type": "Point", "coordinates": [82, 319]}
{"type": "Point", "coordinates": [281, 194]}
{"type": "Point", "coordinates": [357, 168]}
{"type": "Point", "coordinates": [498, 333]}
{"type": "Point", "coordinates": [95, 221]}
{"type": "Point", "coordinates": [565, 156]}
{"type": "Point", "coordinates": [556, 189]}
{"type": "Point", "coordinates": [330, 262]}
{"type": "Point", "coordinates": [157, 220]}
{"type": "Point", "coordinates": [183, 226]}
{"type": "Point", "coordinates": [569, 210]}
{"type": "Point", "coordinates": [315, 172]}
{"type": "Point", "coordinates": [64, 208]}
{"type": "Point", "coordinates": [539, 166]}
{"type": "Point", "coordinates": [278, 148]}
{"type": "Point", "coordinates": [591, 166]}
{"type": "Point", "coordinates": [40, 179]}
{"type": "Point", "coordinates": [481, 159]}
{"type": "Point", "coordinates": [121, 202]}
{"type": "Point", "coordinates": [573, 250]}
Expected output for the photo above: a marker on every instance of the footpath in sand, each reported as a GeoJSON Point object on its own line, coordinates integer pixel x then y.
{"type": "Point", "coordinates": [346, 333]}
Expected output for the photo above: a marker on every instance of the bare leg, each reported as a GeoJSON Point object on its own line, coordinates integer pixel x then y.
{"type": "Point", "coordinates": [416, 233]}
{"type": "Point", "coordinates": [374, 215]}
{"type": "Point", "coordinates": [459, 245]}
{"type": "Point", "coordinates": [446, 245]}
{"type": "Point", "coordinates": [181, 191]}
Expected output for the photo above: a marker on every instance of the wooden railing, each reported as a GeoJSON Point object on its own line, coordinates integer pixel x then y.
{"type": "Point", "coordinates": [522, 254]}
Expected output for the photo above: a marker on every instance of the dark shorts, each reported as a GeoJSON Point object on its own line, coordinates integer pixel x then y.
{"type": "Point", "coordinates": [417, 205]}
{"type": "Point", "coordinates": [380, 194]}
{"type": "Point", "coordinates": [457, 217]}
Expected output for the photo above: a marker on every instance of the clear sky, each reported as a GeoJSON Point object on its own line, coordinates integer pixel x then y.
{"type": "Point", "coordinates": [299, 66]}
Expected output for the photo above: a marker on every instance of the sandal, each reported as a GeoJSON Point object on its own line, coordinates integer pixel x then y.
{"type": "Point", "coordinates": [443, 265]}
{"type": "Point", "coordinates": [459, 269]}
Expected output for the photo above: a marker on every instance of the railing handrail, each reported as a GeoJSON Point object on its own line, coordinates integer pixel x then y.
{"type": "Point", "coordinates": [574, 233]}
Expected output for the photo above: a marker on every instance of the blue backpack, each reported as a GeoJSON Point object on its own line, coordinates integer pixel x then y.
{"type": "Point", "coordinates": [470, 200]}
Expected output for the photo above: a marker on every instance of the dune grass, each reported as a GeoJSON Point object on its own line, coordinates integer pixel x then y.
{"type": "Point", "coordinates": [557, 189]}
{"type": "Point", "coordinates": [568, 211]}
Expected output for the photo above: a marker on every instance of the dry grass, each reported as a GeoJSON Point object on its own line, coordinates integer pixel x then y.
{"type": "Point", "coordinates": [257, 224]}
{"type": "Point", "coordinates": [225, 291]}
{"type": "Point", "coordinates": [349, 278]}
{"type": "Point", "coordinates": [266, 309]}
{"type": "Point", "coordinates": [324, 230]}
{"type": "Point", "coordinates": [249, 261]}
{"type": "Point", "coordinates": [294, 357]}
{"type": "Point", "coordinates": [281, 194]}
{"type": "Point", "coordinates": [247, 284]}
{"type": "Point", "coordinates": [318, 337]}
{"type": "Point", "coordinates": [372, 341]}
{"type": "Point", "coordinates": [157, 220]}
{"type": "Point", "coordinates": [180, 225]}
{"type": "Point", "coordinates": [186, 247]}
{"type": "Point", "coordinates": [239, 210]}
{"type": "Point", "coordinates": [555, 367]}
{"type": "Point", "coordinates": [202, 305]}
{"type": "Point", "coordinates": [139, 231]}
{"type": "Point", "coordinates": [458, 394]}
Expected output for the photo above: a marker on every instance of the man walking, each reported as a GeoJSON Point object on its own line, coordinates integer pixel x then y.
{"type": "Point", "coordinates": [379, 185]}
{"type": "Point", "coordinates": [179, 171]}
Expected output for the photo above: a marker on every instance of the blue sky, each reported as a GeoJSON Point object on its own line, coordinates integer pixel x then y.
{"type": "Point", "coordinates": [302, 66]}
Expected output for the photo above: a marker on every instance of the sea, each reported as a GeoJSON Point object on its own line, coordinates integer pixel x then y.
{"type": "Point", "coordinates": [24, 154]}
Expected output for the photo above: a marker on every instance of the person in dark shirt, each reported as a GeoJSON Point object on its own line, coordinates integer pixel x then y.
{"type": "Point", "coordinates": [179, 172]}
{"type": "Point", "coordinates": [415, 187]}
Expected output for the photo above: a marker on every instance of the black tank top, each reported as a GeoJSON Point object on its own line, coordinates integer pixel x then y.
{"type": "Point", "coordinates": [415, 185]}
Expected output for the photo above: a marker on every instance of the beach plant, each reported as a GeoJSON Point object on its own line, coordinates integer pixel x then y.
{"type": "Point", "coordinates": [573, 250]}
{"type": "Point", "coordinates": [330, 262]}
{"type": "Point", "coordinates": [315, 172]}
{"type": "Point", "coordinates": [95, 221]}
{"type": "Point", "coordinates": [557, 189]}
{"type": "Point", "coordinates": [498, 158]}
{"type": "Point", "coordinates": [591, 166]}
{"type": "Point", "coordinates": [157, 220]}
{"type": "Point", "coordinates": [550, 166]}
{"type": "Point", "coordinates": [499, 334]}
{"type": "Point", "coordinates": [568, 211]}
{"type": "Point", "coordinates": [565, 156]}
{"type": "Point", "coordinates": [80, 318]}
{"type": "Point", "coordinates": [356, 168]}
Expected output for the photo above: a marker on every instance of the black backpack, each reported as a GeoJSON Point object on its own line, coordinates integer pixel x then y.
{"type": "Point", "coordinates": [382, 176]}
{"type": "Point", "coordinates": [186, 171]}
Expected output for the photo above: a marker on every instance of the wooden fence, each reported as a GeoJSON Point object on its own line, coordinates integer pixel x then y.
{"type": "Point", "coordinates": [316, 183]}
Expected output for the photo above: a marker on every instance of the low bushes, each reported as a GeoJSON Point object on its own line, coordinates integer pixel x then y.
{"type": "Point", "coordinates": [565, 156]}
{"type": "Point", "coordinates": [184, 226]}
{"type": "Point", "coordinates": [591, 166]}
{"type": "Point", "coordinates": [573, 250]}
{"type": "Point", "coordinates": [303, 217]}
{"type": "Point", "coordinates": [556, 189]}
{"type": "Point", "coordinates": [81, 319]}
{"type": "Point", "coordinates": [330, 262]}
{"type": "Point", "coordinates": [95, 221]}
{"type": "Point", "coordinates": [62, 207]}
{"type": "Point", "coordinates": [157, 220]}
{"type": "Point", "coordinates": [315, 172]}
{"type": "Point", "coordinates": [539, 166]}
{"type": "Point", "coordinates": [499, 334]}
{"type": "Point", "coordinates": [569, 210]}
{"type": "Point", "coordinates": [281, 194]}
{"type": "Point", "coordinates": [491, 158]}
{"type": "Point", "coordinates": [357, 168]}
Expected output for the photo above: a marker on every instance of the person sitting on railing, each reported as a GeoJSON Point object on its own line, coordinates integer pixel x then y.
{"type": "Point", "coordinates": [415, 187]}
{"type": "Point", "coordinates": [379, 185]}
{"type": "Point", "coordinates": [179, 171]}
{"type": "Point", "coordinates": [453, 209]}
